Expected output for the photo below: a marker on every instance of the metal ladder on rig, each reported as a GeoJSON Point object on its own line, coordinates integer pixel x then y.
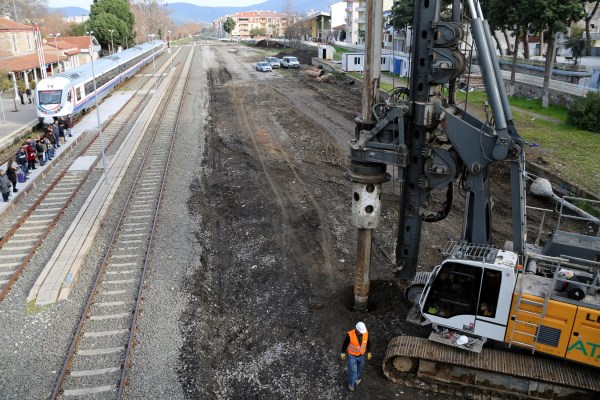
{"type": "Point", "coordinates": [539, 311]}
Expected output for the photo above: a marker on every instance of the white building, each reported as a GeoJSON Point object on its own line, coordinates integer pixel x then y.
{"type": "Point", "coordinates": [356, 19]}
{"type": "Point", "coordinates": [338, 13]}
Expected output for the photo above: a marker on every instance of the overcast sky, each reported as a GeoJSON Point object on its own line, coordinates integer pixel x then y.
{"type": "Point", "coordinates": [213, 3]}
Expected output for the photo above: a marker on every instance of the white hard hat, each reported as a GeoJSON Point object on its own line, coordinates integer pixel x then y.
{"type": "Point", "coordinates": [462, 340]}
{"type": "Point", "coordinates": [361, 327]}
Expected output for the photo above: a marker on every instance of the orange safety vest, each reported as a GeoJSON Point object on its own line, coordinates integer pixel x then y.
{"type": "Point", "coordinates": [354, 348]}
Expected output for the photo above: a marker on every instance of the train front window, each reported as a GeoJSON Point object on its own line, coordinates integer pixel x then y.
{"type": "Point", "coordinates": [49, 96]}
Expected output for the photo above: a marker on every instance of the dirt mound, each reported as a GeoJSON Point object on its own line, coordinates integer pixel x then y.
{"type": "Point", "coordinates": [304, 56]}
{"type": "Point", "coordinates": [269, 44]}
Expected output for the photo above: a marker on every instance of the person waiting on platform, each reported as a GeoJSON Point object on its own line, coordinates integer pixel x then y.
{"type": "Point", "coordinates": [11, 172]}
{"type": "Point", "coordinates": [5, 185]}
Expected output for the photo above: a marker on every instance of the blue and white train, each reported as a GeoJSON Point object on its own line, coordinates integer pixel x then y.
{"type": "Point", "coordinates": [72, 91]}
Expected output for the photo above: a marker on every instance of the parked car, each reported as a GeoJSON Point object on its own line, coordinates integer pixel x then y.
{"type": "Point", "coordinates": [273, 62]}
{"type": "Point", "coordinates": [263, 66]}
{"type": "Point", "coordinates": [290, 62]}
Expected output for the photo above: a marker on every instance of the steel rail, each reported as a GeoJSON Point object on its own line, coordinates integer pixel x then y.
{"type": "Point", "coordinates": [25, 217]}
{"type": "Point", "coordinates": [78, 116]}
{"type": "Point", "coordinates": [103, 268]}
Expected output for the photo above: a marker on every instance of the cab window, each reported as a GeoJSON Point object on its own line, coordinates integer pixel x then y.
{"type": "Point", "coordinates": [490, 290]}
{"type": "Point", "coordinates": [49, 96]}
{"type": "Point", "coordinates": [455, 291]}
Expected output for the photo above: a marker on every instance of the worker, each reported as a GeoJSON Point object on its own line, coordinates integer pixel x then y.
{"type": "Point", "coordinates": [356, 346]}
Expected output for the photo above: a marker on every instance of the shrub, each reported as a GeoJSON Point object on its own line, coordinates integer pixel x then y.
{"type": "Point", "coordinates": [585, 113]}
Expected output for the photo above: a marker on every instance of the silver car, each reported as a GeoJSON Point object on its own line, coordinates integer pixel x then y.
{"type": "Point", "coordinates": [273, 62]}
{"type": "Point", "coordinates": [263, 66]}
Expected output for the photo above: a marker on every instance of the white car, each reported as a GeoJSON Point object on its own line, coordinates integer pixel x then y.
{"type": "Point", "coordinates": [290, 62]}
{"type": "Point", "coordinates": [273, 62]}
{"type": "Point", "coordinates": [263, 66]}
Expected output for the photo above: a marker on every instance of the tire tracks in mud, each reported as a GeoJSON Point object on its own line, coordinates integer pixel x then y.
{"type": "Point", "coordinates": [243, 155]}
{"type": "Point", "coordinates": [259, 136]}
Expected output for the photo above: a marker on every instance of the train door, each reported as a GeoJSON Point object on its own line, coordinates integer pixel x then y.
{"type": "Point", "coordinates": [453, 296]}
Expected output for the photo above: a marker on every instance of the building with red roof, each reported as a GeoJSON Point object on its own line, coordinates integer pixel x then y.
{"type": "Point", "coordinates": [27, 57]}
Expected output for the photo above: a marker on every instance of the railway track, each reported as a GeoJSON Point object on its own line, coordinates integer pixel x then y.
{"type": "Point", "coordinates": [98, 357]}
{"type": "Point", "coordinates": [43, 212]}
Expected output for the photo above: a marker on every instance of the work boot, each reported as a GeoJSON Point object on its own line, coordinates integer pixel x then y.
{"type": "Point", "coordinates": [357, 382]}
{"type": "Point", "coordinates": [351, 388]}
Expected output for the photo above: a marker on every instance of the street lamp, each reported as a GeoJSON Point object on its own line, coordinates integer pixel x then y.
{"type": "Point", "coordinates": [55, 36]}
{"type": "Point", "coordinates": [151, 36]}
{"type": "Point", "coordinates": [98, 110]}
{"type": "Point", "coordinates": [112, 43]}
{"type": "Point", "coordinates": [169, 46]}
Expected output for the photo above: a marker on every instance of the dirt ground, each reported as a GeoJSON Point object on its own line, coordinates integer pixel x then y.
{"type": "Point", "coordinates": [272, 299]}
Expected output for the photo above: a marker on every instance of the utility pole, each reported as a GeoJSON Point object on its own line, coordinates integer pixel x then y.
{"type": "Point", "coordinates": [112, 43]}
{"type": "Point", "coordinates": [367, 177]}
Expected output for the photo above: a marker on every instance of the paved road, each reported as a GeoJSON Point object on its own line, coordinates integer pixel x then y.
{"type": "Point", "coordinates": [11, 121]}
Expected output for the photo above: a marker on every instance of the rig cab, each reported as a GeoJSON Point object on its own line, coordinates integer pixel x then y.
{"type": "Point", "coordinates": [471, 291]}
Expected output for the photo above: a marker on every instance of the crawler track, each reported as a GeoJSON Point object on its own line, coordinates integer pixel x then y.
{"type": "Point", "coordinates": [492, 372]}
{"type": "Point", "coordinates": [21, 242]}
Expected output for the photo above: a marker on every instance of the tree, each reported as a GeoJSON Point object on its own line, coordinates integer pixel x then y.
{"type": "Point", "coordinates": [588, 35]}
{"type": "Point", "coordinates": [585, 114]}
{"type": "Point", "coordinates": [107, 15]}
{"type": "Point", "coordinates": [577, 43]}
{"type": "Point", "coordinates": [509, 15]}
{"type": "Point", "coordinates": [76, 29]}
{"type": "Point", "coordinates": [257, 32]}
{"type": "Point", "coordinates": [5, 81]}
{"type": "Point", "coordinates": [151, 17]}
{"type": "Point", "coordinates": [24, 11]}
{"type": "Point", "coordinates": [54, 23]}
{"type": "Point", "coordinates": [554, 16]}
{"type": "Point", "coordinates": [402, 14]}
{"type": "Point", "coordinates": [229, 25]}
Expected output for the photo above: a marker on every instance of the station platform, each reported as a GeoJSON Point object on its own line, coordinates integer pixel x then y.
{"type": "Point", "coordinates": [89, 122]}
{"type": "Point", "coordinates": [15, 118]}
{"type": "Point", "coordinates": [58, 278]}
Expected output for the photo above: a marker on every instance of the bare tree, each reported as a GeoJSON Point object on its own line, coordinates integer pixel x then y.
{"type": "Point", "coordinates": [151, 17]}
{"type": "Point", "coordinates": [327, 36]}
{"type": "Point", "coordinates": [54, 23]}
{"type": "Point", "coordinates": [24, 11]}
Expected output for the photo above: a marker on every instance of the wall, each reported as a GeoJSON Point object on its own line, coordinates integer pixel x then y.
{"type": "Point", "coordinates": [529, 91]}
{"type": "Point", "coordinates": [25, 42]}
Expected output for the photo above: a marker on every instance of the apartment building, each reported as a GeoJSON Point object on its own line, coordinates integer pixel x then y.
{"type": "Point", "coordinates": [356, 19]}
{"type": "Point", "coordinates": [271, 23]}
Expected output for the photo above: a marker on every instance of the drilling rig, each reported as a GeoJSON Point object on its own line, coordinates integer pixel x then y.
{"type": "Point", "coordinates": [541, 301]}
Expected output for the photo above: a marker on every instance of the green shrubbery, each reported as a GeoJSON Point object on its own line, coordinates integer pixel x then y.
{"type": "Point", "coordinates": [585, 113]}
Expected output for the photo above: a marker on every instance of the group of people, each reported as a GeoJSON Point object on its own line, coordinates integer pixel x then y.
{"type": "Point", "coordinates": [57, 132]}
{"type": "Point", "coordinates": [32, 151]}
{"type": "Point", "coordinates": [27, 93]}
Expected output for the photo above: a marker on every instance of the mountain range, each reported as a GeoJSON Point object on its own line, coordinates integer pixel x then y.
{"type": "Point", "coordinates": [182, 13]}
